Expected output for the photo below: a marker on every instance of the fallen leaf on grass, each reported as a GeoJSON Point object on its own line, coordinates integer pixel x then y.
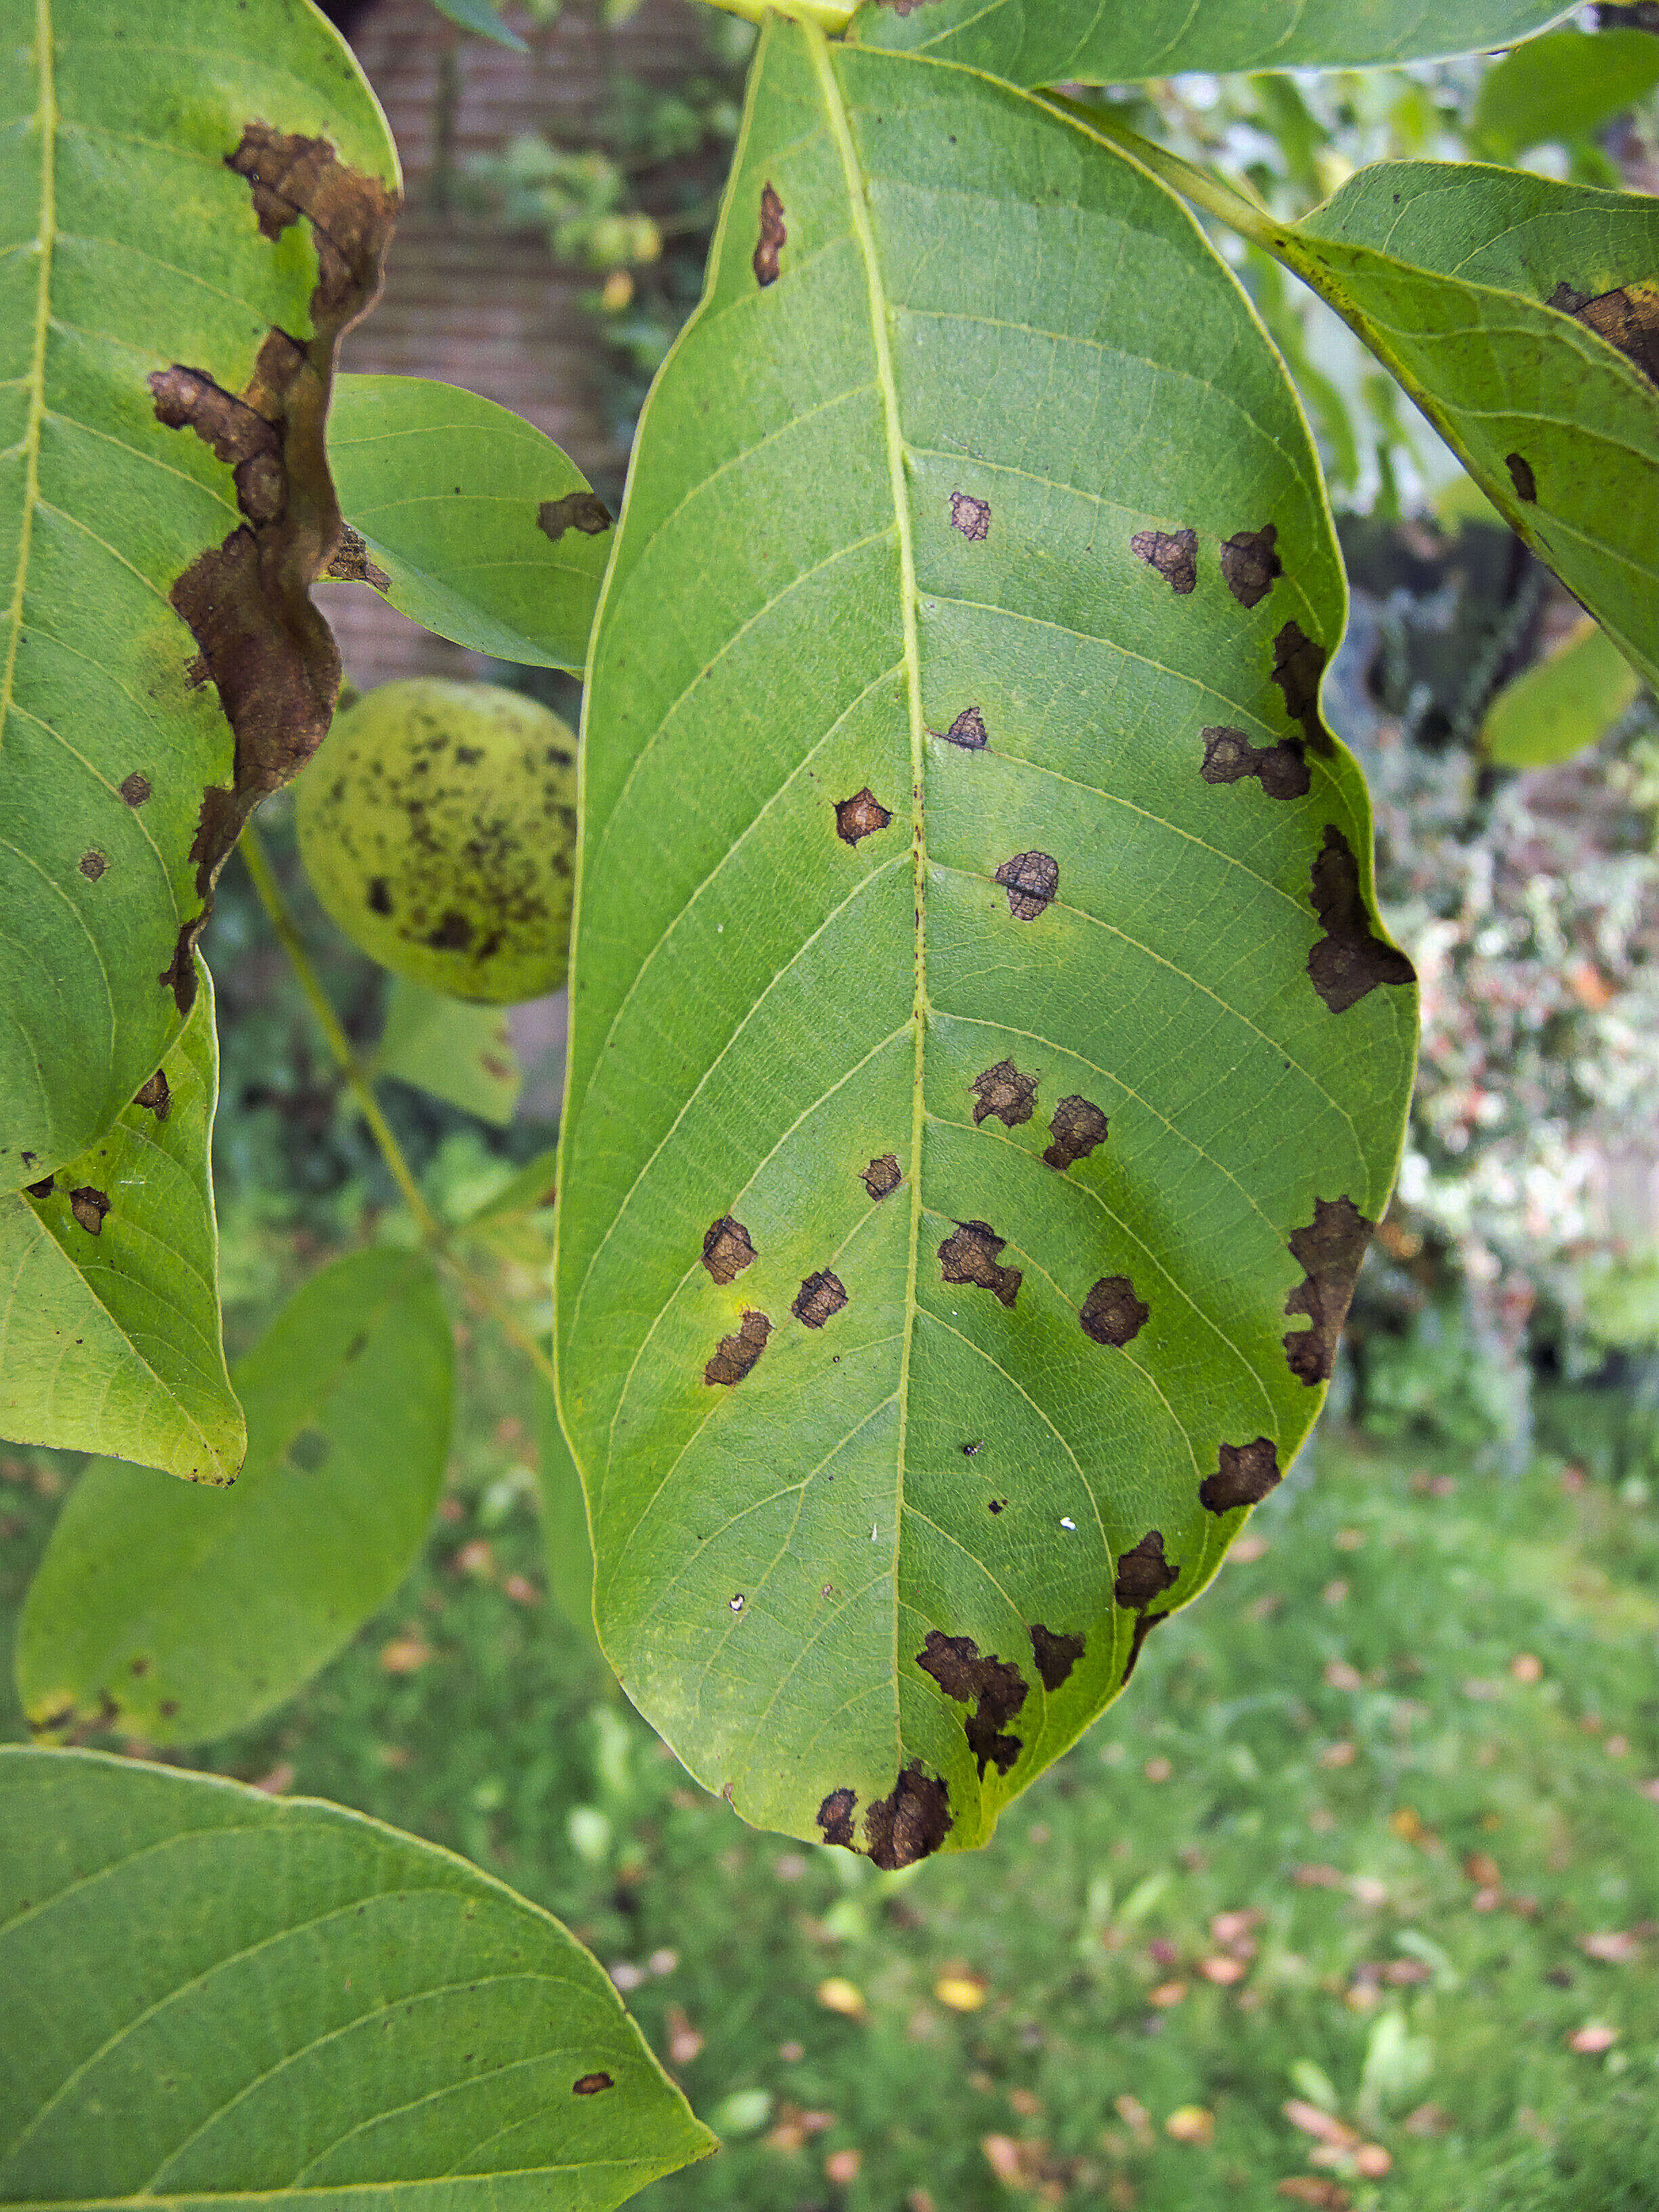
{"type": "Point", "coordinates": [1325, 2127]}
{"type": "Point", "coordinates": [1595, 2037]}
{"type": "Point", "coordinates": [1167, 1994]}
{"type": "Point", "coordinates": [1191, 2124]}
{"type": "Point", "coordinates": [1613, 1947]}
{"type": "Point", "coordinates": [1223, 1972]}
{"type": "Point", "coordinates": [1306, 2189]}
{"type": "Point", "coordinates": [961, 1992]}
{"type": "Point", "coordinates": [845, 1998]}
{"type": "Point", "coordinates": [842, 2167]}
{"type": "Point", "coordinates": [403, 1654]}
{"type": "Point", "coordinates": [1316, 1876]}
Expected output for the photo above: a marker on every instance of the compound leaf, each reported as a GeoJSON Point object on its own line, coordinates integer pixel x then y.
{"type": "Point", "coordinates": [215, 1998]}
{"type": "Point", "coordinates": [109, 1308]}
{"type": "Point", "coordinates": [469, 519]}
{"type": "Point", "coordinates": [985, 1063]}
{"type": "Point", "coordinates": [178, 1615]}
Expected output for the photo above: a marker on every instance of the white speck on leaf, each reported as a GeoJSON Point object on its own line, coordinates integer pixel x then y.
{"type": "Point", "coordinates": [737, 1603]}
{"type": "Point", "coordinates": [1066, 1521]}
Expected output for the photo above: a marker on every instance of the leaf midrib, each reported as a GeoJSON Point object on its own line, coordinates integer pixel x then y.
{"type": "Point", "coordinates": [46, 115]}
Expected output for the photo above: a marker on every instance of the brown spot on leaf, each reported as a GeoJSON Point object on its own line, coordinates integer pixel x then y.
{"type": "Point", "coordinates": [454, 932]}
{"type": "Point", "coordinates": [1112, 1313]}
{"type": "Point", "coordinates": [1298, 663]}
{"type": "Point", "coordinates": [589, 2085]}
{"type": "Point", "coordinates": [1250, 564]}
{"type": "Point", "coordinates": [179, 974]}
{"type": "Point", "coordinates": [1348, 961]}
{"type": "Point", "coordinates": [1521, 475]}
{"type": "Point", "coordinates": [89, 1207]}
{"type": "Point", "coordinates": [969, 1254]}
{"type": "Point", "coordinates": [1246, 1473]}
{"type": "Point", "coordinates": [737, 1354]}
{"type": "Point", "coordinates": [1003, 1091]}
{"type": "Point", "coordinates": [44, 1188]}
{"type": "Point", "coordinates": [351, 564]}
{"type": "Point", "coordinates": [972, 517]}
{"type": "Point", "coordinates": [883, 1176]}
{"type": "Point", "coordinates": [1144, 1573]}
{"type": "Point", "coordinates": [1055, 1655]}
{"type": "Point", "coordinates": [189, 399]}
{"type": "Point", "coordinates": [1627, 317]}
{"type": "Point", "coordinates": [860, 816]}
{"type": "Point", "coordinates": [92, 866]}
{"type": "Point", "coordinates": [1229, 757]}
{"type": "Point", "coordinates": [1077, 1126]}
{"type": "Point", "coordinates": [136, 788]}
{"type": "Point", "coordinates": [1031, 880]}
{"type": "Point", "coordinates": [156, 1095]}
{"type": "Point", "coordinates": [909, 1825]}
{"type": "Point", "coordinates": [578, 510]}
{"type": "Point", "coordinates": [378, 897]}
{"type": "Point", "coordinates": [994, 1687]}
{"type": "Point", "coordinates": [1330, 1247]}
{"type": "Point", "coordinates": [835, 1817]}
{"type": "Point", "coordinates": [969, 731]}
{"type": "Point", "coordinates": [1145, 1623]}
{"type": "Point", "coordinates": [821, 1297]}
{"type": "Point", "coordinates": [772, 241]}
{"type": "Point", "coordinates": [727, 1249]}
{"type": "Point", "coordinates": [1173, 554]}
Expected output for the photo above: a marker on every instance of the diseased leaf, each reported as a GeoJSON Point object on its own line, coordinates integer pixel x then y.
{"type": "Point", "coordinates": [219, 1998]}
{"type": "Point", "coordinates": [179, 1615]}
{"type": "Point", "coordinates": [468, 519]}
{"type": "Point", "coordinates": [459, 1052]}
{"type": "Point", "coordinates": [1562, 704]}
{"type": "Point", "coordinates": [167, 327]}
{"type": "Point", "coordinates": [1560, 87]}
{"type": "Point", "coordinates": [985, 1066]}
{"type": "Point", "coordinates": [109, 1293]}
{"type": "Point", "coordinates": [1082, 41]}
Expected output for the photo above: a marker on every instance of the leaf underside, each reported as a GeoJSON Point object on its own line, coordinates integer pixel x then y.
{"type": "Point", "coordinates": [178, 1616]}
{"type": "Point", "coordinates": [985, 1067]}
{"type": "Point", "coordinates": [109, 1305]}
{"type": "Point", "coordinates": [166, 331]}
{"type": "Point", "coordinates": [214, 1997]}
{"type": "Point", "coordinates": [1081, 41]}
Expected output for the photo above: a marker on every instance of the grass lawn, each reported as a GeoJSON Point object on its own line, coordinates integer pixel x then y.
{"type": "Point", "coordinates": [1376, 1832]}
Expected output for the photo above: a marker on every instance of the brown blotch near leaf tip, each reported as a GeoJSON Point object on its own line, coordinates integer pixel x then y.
{"type": "Point", "coordinates": [156, 1095]}
{"type": "Point", "coordinates": [1282, 769]}
{"type": "Point", "coordinates": [972, 517]}
{"type": "Point", "coordinates": [911, 1823]}
{"type": "Point", "coordinates": [1298, 663]}
{"type": "Point", "coordinates": [1055, 1655]}
{"type": "Point", "coordinates": [772, 241]}
{"type": "Point", "coordinates": [1003, 1091]}
{"type": "Point", "coordinates": [589, 2085]}
{"type": "Point", "coordinates": [1250, 564]}
{"type": "Point", "coordinates": [352, 563]}
{"type": "Point", "coordinates": [578, 510]}
{"type": "Point", "coordinates": [1174, 554]}
{"type": "Point", "coordinates": [1146, 1622]}
{"type": "Point", "coordinates": [89, 1207]}
{"type": "Point", "coordinates": [1144, 1573]}
{"type": "Point", "coordinates": [736, 1355]}
{"type": "Point", "coordinates": [92, 865]}
{"type": "Point", "coordinates": [1112, 1313]}
{"type": "Point", "coordinates": [1627, 317]}
{"type": "Point", "coordinates": [1348, 961]}
{"type": "Point", "coordinates": [454, 932]}
{"type": "Point", "coordinates": [835, 1817]}
{"type": "Point", "coordinates": [727, 1249]}
{"type": "Point", "coordinates": [1521, 476]}
{"type": "Point", "coordinates": [883, 1176]}
{"type": "Point", "coordinates": [860, 816]}
{"type": "Point", "coordinates": [44, 1188]}
{"type": "Point", "coordinates": [135, 787]}
{"type": "Point", "coordinates": [969, 731]}
{"type": "Point", "coordinates": [1330, 1247]}
{"type": "Point", "coordinates": [1245, 1475]}
{"type": "Point", "coordinates": [1077, 1128]}
{"type": "Point", "coordinates": [1031, 880]}
{"type": "Point", "coordinates": [994, 1687]}
{"type": "Point", "coordinates": [820, 1298]}
{"type": "Point", "coordinates": [969, 1254]}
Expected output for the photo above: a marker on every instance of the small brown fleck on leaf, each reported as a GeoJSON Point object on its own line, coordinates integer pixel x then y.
{"type": "Point", "coordinates": [1348, 961]}
{"type": "Point", "coordinates": [578, 510]}
{"type": "Point", "coordinates": [1298, 663]}
{"type": "Point", "coordinates": [737, 1355]}
{"type": "Point", "coordinates": [772, 241]}
{"type": "Point", "coordinates": [1144, 1573]}
{"type": "Point", "coordinates": [1056, 1655]}
{"type": "Point", "coordinates": [454, 932]}
{"type": "Point", "coordinates": [1031, 880]}
{"type": "Point", "coordinates": [969, 731]}
{"type": "Point", "coordinates": [994, 1687]}
{"type": "Point", "coordinates": [820, 1298]}
{"type": "Point", "coordinates": [156, 1095]}
{"type": "Point", "coordinates": [883, 1176]}
{"type": "Point", "coordinates": [1003, 1091]}
{"type": "Point", "coordinates": [1111, 1313]}
{"type": "Point", "coordinates": [1330, 1247]}
{"type": "Point", "coordinates": [969, 1254]}
{"type": "Point", "coordinates": [727, 1249]}
{"type": "Point", "coordinates": [136, 788]}
{"type": "Point", "coordinates": [972, 517]}
{"type": "Point", "coordinates": [911, 1823]}
{"type": "Point", "coordinates": [1077, 1126]}
{"type": "Point", "coordinates": [860, 816]}
{"type": "Point", "coordinates": [44, 1188]}
{"type": "Point", "coordinates": [89, 1207]}
{"type": "Point", "coordinates": [1173, 554]}
{"type": "Point", "coordinates": [351, 564]}
{"type": "Point", "coordinates": [589, 2085]}
{"type": "Point", "coordinates": [1521, 475]}
{"type": "Point", "coordinates": [1251, 565]}
{"type": "Point", "coordinates": [1229, 757]}
{"type": "Point", "coordinates": [996, 1504]}
{"type": "Point", "coordinates": [1627, 317]}
{"type": "Point", "coordinates": [835, 1817]}
{"type": "Point", "coordinates": [92, 866]}
{"type": "Point", "coordinates": [1246, 1473]}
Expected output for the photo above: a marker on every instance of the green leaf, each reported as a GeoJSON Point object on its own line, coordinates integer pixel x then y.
{"type": "Point", "coordinates": [1082, 41]}
{"type": "Point", "coordinates": [569, 1552]}
{"type": "Point", "coordinates": [1561, 88]}
{"type": "Point", "coordinates": [458, 1052]}
{"type": "Point", "coordinates": [109, 1317]}
{"type": "Point", "coordinates": [179, 1615]}
{"type": "Point", "coordinates": [473, 522]}
{"type": "Point", "coordinates": [140, 297]}
{"type": "Point", "coordinates": [217, 1998]}
{"type": "Point", "coordinates": [527, 1192]}
{"type": "Point", "coordinates": [950, 932]}
{"type": "Point", "coordinates": [1562, 704]}
{"type": "Point", "coordinates": [478, 16]}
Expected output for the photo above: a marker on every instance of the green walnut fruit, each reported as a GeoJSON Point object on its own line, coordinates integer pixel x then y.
{"type": "Point", "coordinates": [438, 826]}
